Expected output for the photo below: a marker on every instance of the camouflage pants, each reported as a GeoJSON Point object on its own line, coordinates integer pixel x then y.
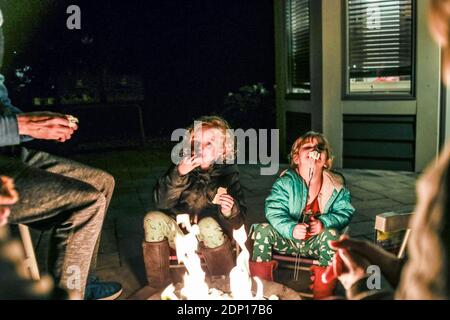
{"type": "Point", "coordinates": [158, 226]}
{"type": "Point", "coordinates": [267, 239]}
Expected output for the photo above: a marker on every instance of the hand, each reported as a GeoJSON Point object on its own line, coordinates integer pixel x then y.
{"type": "Point", "coordinates": [8, 196]}
{"type": "Point", "coordinates": [349, 267]}
{"type": "Point", "coordinates": [300, 231]}
{"type": "Point", "coordinates": [4, 214]}
{"type": "Point", "coordinates": [389, 264]}
{"type": "Point", "coordinates": [226, 204]}
{"type": "Point", "coordinates": [315, 226]}
{"type": "Point", "coordinates": [46, 126]}
{"type": "Point", "coordinates": [188, 164]}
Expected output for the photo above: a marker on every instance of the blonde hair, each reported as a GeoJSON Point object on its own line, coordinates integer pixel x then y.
{"type": "Point", "coordinates": [439, 20]}
{"type": "Point", "coordinates": [426, 274]}
{"type": "Point", "coordinates": [220, 124]}
{"type": "Point", "coordinates": [307, 137]}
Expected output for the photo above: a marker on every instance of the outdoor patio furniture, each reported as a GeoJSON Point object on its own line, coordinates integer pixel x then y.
{"type": "Point", "coordinates": [392, 231]}
{"type": "Point", "coordinates": [30, 262]}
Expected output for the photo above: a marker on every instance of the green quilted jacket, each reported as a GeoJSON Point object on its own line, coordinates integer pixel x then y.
{"type": "Point", "coordinates": [287, 200]}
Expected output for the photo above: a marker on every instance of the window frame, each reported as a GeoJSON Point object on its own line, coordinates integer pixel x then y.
{"type": "Point", "coordinates": [289, 95]}
{"type": "Point", "coordinates": [346, 94]}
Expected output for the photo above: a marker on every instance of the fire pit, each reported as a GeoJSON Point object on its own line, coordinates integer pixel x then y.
{"type": "Point", "coordinates": [273, 289]}
{"type": "Point", "coordinates": [238, 285]}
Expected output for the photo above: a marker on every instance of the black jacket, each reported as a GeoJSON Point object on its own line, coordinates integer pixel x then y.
{"type": "Point", "coordinates": [194, 192]}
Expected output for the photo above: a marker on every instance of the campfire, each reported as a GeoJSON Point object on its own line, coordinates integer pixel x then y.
{"type": "Point", "coordinates": [195, 285]}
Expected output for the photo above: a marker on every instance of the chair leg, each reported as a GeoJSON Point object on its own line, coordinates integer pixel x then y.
{"type": "Point", "coordinates": [30, 257]}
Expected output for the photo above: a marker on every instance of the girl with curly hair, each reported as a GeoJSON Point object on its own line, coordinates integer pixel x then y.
{"type": "Point", "coordinates": [205, 185]}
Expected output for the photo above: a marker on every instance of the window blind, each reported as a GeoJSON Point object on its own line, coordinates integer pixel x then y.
{"type": "Point", "coordinates": [380, 38]}
{"type": "Point", "coordinates": [298, 31]}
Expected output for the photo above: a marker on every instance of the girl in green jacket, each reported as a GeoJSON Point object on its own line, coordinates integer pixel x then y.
{"type": "Point", "coordinates": [307, 207]}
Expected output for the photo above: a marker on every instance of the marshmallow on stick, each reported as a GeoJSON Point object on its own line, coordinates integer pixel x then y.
{"type": "Point", "coordinates": [220, 192]}
{"type": "Point", "coordinates": [72, 121]}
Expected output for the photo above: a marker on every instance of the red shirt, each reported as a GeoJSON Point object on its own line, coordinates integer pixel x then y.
{"type": "Point", "coordinates": [313, 206]}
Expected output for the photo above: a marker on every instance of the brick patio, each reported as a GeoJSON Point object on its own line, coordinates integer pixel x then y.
{"type": "Point", "coordinates": [135, 171]}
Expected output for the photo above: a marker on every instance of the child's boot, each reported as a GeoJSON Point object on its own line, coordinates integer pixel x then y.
{"type": "Point", "coordinates": [321, 290]}
{"type": "Point", "coordinates": [157, 263]}
{"type": "Point", "coordinates": [263, 270]}
{"type": "Point", "coordinates": [220, 260]}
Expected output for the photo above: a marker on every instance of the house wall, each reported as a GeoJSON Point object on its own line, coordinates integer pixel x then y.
{"type": "Point", "coordinates": [328, 109]}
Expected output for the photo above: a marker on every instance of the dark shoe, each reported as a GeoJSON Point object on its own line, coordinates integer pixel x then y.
{"type": "Point", "coordinates": [220, 260]}
{"type": "Point", "coordinates": [263, 270]}
{"type": "Point", "coordinates": [320, 289]}
{"type": "Point", "coordinates": [99, 290]}
{"type": "Point", "coordinates": [157, 263]}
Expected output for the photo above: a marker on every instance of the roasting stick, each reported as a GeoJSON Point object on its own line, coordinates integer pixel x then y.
{"type": "Point", "coordinates": [402, 250]}
{"type": "Point", "coordinates": [313, 156]}
{"type": "Point", "coordinates": [297, 255]}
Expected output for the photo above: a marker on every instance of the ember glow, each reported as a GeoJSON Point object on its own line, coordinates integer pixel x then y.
{"type": "Point", "coordinates": [195, 286]}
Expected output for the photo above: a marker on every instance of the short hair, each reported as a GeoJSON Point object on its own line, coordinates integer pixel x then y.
{"type": "Point", "coordinates": [307, 137]}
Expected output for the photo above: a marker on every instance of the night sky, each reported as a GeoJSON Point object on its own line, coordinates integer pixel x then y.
{"type": "Point", "coordinates": [190, 53]}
